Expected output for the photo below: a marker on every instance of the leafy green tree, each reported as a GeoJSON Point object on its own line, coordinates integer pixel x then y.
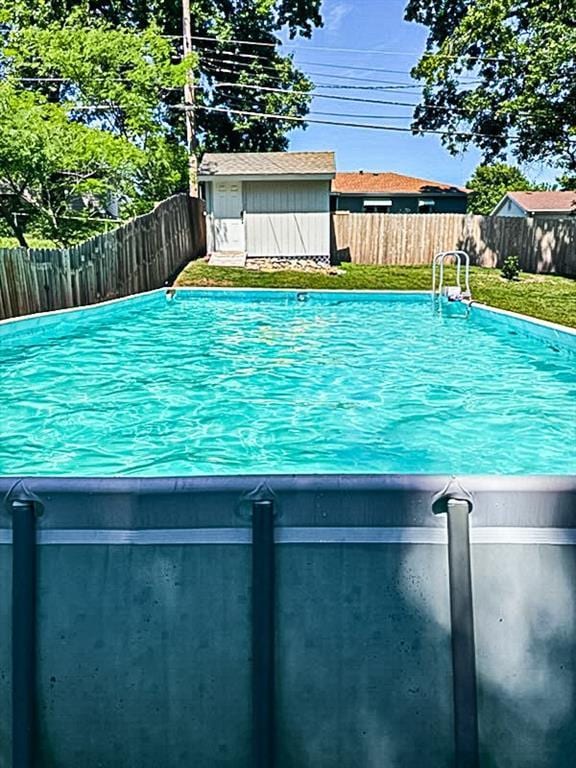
{"type": "Point", "coordinates": [491, 182]}
{"type": "Point", "coordinates": [223, 66]}
{"type": "Point", "coordinates": [567, 182]}
{"type": "Point", "coordinates": [85, 86]}
{"type": "Point", "coordinates": [500, 74]}
{"type": "Point", "coordinates": [48, 162]}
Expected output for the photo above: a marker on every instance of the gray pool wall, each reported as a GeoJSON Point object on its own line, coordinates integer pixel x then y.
{"type": "Point", "coordinates": [145, 618]}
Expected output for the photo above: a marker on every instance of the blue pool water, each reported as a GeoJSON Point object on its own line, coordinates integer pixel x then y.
{"type": "Point", "coordinates": [235, 383]}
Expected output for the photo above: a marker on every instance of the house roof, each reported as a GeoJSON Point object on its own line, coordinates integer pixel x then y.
{"type": "Point", "coordinates": [268, 164]}
{"type": "Point", "coordinates": [545, 202]}
{"type": "Point", "coordinates": [387, 182]}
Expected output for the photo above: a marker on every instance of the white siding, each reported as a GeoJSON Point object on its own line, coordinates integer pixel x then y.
{"type": "Point", "coordinates": [290, 218]}
{"type": "Point", "coordinates": [209, 213]}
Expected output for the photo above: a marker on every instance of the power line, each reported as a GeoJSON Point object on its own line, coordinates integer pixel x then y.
{"type": "Point", "coordinates": [394, 128]}
{"type": "Point", "coordinates": [237, 103]}
{"type": "Point", "coordinates": [280, 44]}
{"type": "Point", "coordinates": [232, 55]}
{"type": "Point", "coordinates": [353, 99]}
{"type": "Point", "coordinates": [297, 119]}
{"type": "Point", "coordinates": [217, 65]}
{"type": "Point", "coordinates": [393, 87]}
{"type": "Point", "coordinates": [75, 81]}
{"type": "Point", "coordinates": [310, 93]}
{"type": "Point", "coordinates": [355, 68]}
{"type": "Point", "coordinates": [237, 98]}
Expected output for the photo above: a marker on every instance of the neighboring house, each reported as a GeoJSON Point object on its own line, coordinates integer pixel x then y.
{"type": "Point", "coordinates": [269, 205]}
{"type": "Point", "coordinates": [109, 208]}
{"type": "Point", "coordinates": [537, 204]}
{"type": "Point", "coordinates": [386, 192]}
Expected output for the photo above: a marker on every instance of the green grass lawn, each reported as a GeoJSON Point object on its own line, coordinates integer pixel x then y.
{"type": "Point", "coordinates": [33, 242]}
{"type": "Point", "coordinates": [544, 296]}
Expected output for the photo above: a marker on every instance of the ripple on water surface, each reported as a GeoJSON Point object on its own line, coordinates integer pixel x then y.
{"type": "Point", "coordinates": [219, 385]}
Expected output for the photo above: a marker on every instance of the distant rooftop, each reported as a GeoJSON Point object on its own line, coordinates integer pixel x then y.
{"type": "Point", "coordinates": [545, 202]}
{"type": "Point", "coordinates": [267, 164]}
{"type": "Point", "coordinates": [387, 182]}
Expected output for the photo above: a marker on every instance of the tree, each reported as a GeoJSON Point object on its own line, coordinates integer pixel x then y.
{"type": "Point", "coordinates": [491, 182]}
{"type": "Point", "coordinates": [88, 98]}
{"type": "Point", "coordinates": [500, 74]}
{"type": "Point", "coordinates": [567, 182]}
{"type": "Point", "coordinates": [47, 162]}
{"type": "Point", "coordinates": [224, 68]}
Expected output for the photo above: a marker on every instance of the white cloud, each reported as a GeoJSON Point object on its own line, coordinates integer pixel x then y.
{"type": "Point", "coordinates": [334, 13]}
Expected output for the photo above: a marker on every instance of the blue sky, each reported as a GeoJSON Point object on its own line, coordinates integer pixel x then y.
{"type": "Point", "coordinates": [383, 41]}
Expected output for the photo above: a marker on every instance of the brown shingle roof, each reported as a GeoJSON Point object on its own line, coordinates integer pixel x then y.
{"type": "Point", "coordinates": [267, 163]}
{"type": "Point", "coordinates": [387, 183]}
{"type": "Point", "coordinates": [542, 202]}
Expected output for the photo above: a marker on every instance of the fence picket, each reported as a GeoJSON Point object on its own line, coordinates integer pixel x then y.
{"type": "Point", "coordinates": [139, 256]}
{"type": "Point", "coordinates": [407, 239]}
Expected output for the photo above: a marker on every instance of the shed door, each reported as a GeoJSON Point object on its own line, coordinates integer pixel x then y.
{"type": "Point", "coordinates": [228, 220]}
{"type": "Point", "coordinates": [289, 218]}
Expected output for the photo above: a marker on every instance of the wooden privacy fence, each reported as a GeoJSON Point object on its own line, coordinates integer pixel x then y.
{"type": "Point", "coordinates": [542, 245]}
{"type": "Point", "coordinates": [141, 255]}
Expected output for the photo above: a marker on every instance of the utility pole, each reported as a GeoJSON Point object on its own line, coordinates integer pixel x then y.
{"type": "Point", "coordinates": [189, 103]}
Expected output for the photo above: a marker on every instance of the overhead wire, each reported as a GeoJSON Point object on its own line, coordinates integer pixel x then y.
{"type": "Point", "coordinates": [264, 88]}
{"type": "Point", "coordinates": [291, 118]}
{"type": "Point", "coordinates": [380, 85]}
{"type": "Point", "coordinates": [215, 53]}
{"type": "Point", "coordinates": [294, 118]}
{"type": "Point", "coordinates": [237, 103]}
{"type": "Point", "coordinates": [212, 55]}
{"type": "Point", "coordinates": [392, 87]}
{"type": "Point", "coordinates": [371, 51]}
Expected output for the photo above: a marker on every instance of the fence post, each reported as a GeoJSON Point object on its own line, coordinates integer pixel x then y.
{"type": "Point", "coordinates": [24, 741]}
{"type": "Point", "coordinates": [456, 503]}
{"type": "Point", "coordinates": [263, 633]}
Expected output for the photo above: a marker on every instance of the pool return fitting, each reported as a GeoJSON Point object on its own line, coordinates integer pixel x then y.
{"type": "Point", "coordinates": [451, 293]}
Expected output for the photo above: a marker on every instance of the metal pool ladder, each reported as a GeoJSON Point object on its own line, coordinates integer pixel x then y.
{"type": "Point", "coordinates": [452, 293]}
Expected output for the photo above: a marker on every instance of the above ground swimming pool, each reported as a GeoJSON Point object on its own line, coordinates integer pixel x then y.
{"type": "Point", "coordinates": [227, 382]}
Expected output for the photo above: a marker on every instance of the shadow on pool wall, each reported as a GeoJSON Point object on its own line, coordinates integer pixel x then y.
{"type": "Point", "coordinates": [146, 615]}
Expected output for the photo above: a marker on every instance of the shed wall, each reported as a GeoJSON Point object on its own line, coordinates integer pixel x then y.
{"type": "Point", "coordinates": [289, 218]}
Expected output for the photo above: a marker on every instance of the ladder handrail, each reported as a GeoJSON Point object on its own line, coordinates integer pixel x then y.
{"type": "Point", "coordinates": [439, 260]}
{"type": "Point", "coordinates": [467, 269]}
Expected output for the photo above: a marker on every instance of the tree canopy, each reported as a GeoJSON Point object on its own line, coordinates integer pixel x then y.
{"type": "Point", "coordinates": [490, 183]}
{"type": "Point", "coordinates": [108, 75]}
{"type": "Point", "coordinates": [84, 89]}
{"type": "Point", "coordinates": [500, 74]}
{"type": "Point", "coordinates": [48, 163]}
{"type": "Point", "coordinates": [223, 66]}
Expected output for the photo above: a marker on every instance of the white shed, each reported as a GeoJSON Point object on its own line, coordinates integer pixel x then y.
{"type": "Point", "coordinates": [269, 205]}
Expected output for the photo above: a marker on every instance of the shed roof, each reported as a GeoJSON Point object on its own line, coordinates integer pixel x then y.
{"type": "Point", "coordinates": [545, 202]}
{"type": "Point", "coordinates": [388, 182]}
{"type": "Point", "coordinates": [268, 164]}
